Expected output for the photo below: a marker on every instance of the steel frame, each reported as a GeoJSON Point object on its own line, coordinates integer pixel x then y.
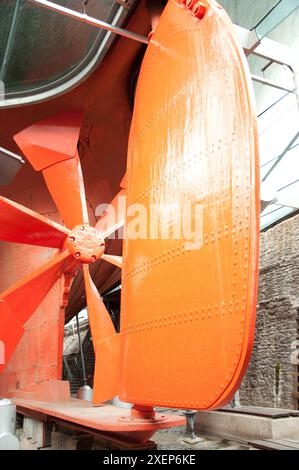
{"type": "Point", "coordinates": [89, 20]}
{"type": "Point", "coordinates": [249, 40]}
{"type": "Point", "coordinates": [277, 53]}
{"type": "Point", "coordinates": [70, 81]}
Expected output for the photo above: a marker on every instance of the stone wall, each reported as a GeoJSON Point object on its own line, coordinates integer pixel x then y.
{"type": "Point", "coordinates": [269, 380]}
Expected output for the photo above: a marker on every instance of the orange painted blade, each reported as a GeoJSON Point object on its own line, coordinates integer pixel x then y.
{"type": "Point", "coordinates": [21, 225]}
{"type": "Point", "coordinates": [11, 331]}
{"type": "Point", "coordinates": [65, 183]}
{"type": "Point", "coordinates": [51, 146]}
{"type": "Point", "coordinates": [116, 260]}
{"type": "Point", "coordinates": [106, 343]}
{"type": "Point", "coordinates": [100, 321]}
{"type": "Point", "coordinates": [113, 217]}
{"type": "Point", "coordinates": [188, 300]}
{"type": "Point", "coordinates": [107, 369]}
{"type": "Point", "coordinates": [51, 140]}
{"type": "Point", "coordinates": [123, 183]}
{"type": "Point", "coordinates": [25, 296]}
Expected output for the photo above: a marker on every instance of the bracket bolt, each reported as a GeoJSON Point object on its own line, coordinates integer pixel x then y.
{"type": "Point", "coordinates": [181, 3]}
{"type": "Point", "coordinates": [199, 10]}
{"type": "Point", "coordinates": [190, 3]}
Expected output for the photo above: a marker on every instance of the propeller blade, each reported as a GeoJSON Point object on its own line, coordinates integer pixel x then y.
{"type": "Point", "coordinates": [11, 331]}
{"type": "Point", "coordinates": [51, 146]}
{"type": "Point", "coordinates": [65, 183]}
{"type": "Point", "coordinates": [106, 344]}
{"type": "Point", "coordinates": [116, 260]}
{"type": "Point", "coordinates": [51, 140]}
{"type": "Point", "coordinates": [107, 369]}
{"type": "Point", "coordinates": [113, 217]}
{"type": "Point", "coordinates": [21, 225]}
{"type": "Point", "coordinates": [25, 296]}
{"type": "Point", "coordinates": [100, 321]}
{"type": "Point", "coordinates": [123, 183]}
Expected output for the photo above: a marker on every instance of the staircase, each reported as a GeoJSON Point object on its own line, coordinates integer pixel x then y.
{"type": "Point", "coordinates": [72, 366]}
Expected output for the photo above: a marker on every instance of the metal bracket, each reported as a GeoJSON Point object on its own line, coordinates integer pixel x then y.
{"type": "Point", "coordinates": [125, 3]}
{"type": "Point", "coordinates": [89, 20]}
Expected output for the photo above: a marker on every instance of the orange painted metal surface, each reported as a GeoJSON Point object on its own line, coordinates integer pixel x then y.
{"type": "Point", "coordinates": [81, 246]}
{"type": "Point", "coordinates": [107, 114]}
{"type": "Point", "coordinates": [22, 299]}
{"type": "Point", "coordinates": [49, 142]}
{"type": "Point", "coordinates": [188, 310]}
{"type": "Point", "coordinates": [21, 225]}
{"type": "Point", "coordinates": [12, 329]}
{"type": "Point", "coordinates": [105, 418]}
{"type": "Point", "coordinates": [188, 313]}
{"type": "Point", "coordinates": [51, 391]}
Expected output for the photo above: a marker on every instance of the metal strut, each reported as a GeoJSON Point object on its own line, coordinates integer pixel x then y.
{"type": "Point", "coordinates": [90, 20]}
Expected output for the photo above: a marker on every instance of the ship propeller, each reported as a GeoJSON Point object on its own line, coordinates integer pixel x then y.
{"type": "Point", "coordinates": [51, 147]}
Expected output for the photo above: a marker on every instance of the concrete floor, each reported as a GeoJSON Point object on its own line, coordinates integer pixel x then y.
{"type": "Point", "coordinates": [177, 439]}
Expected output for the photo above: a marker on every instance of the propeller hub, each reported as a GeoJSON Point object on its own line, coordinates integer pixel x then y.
{"type": "Point", "coordinates": [85, 243]}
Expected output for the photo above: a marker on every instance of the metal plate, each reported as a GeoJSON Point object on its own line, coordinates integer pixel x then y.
{"type": "Point", "coordinates": [188, 311]}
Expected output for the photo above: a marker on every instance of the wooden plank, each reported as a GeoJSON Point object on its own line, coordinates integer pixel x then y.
{"type": "Point", "coordinates": [273, 413]}
{"type": "Point", "coordinates": [288, 442]}
{"type": "Point", "coordinates": [272, 445]}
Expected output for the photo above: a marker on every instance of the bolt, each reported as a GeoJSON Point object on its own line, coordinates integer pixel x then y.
{"type": "Point", "coordinates": [190, 3]}
{"type": "Point", "coordinates": [72, 239]}
{"type": "Point", "coordinates": [181, 3]}
{"type": "Point", "coordinates": [82, 228]}
{"type": "Point", "coordinates": [93, 259]}
{"type": "Point", "coordinates": [77, 255]}
{"type": "Point", "coordinates": [199, 10]}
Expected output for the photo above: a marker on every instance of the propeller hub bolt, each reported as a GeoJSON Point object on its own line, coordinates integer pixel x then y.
{"type": "Point", "coordinates": [86, 244]}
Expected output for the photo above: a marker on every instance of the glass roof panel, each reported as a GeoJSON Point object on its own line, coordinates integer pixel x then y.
{"type": "Point", "coordinates": [289, 195]}
{"type": "Point", "coordinates": [274, 216]}
{"type": "Point", "coordinates": [266, 167]}
{"type": "Point", "coordinates": [275, 17]}
{"type": "Point", "coordinates": [6, 13]}
{"type": "Point", "coordinates": [40, 49]}
{"type": "Point", "coordinates": [271, 208]}
{"type": "Point", "coordinates": [278, 122]}
{"type": "Point", "coordinates": [277, 128]}
{"type": "Point", "coordinates": [286, 171]}
{"type": "Point", "coordinates": [245, 12]}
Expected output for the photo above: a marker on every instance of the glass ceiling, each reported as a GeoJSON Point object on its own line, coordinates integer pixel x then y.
{"type": "Point", "coordinates": [41, 50]}
{"type": "Point", "coordinates": [278, 115]}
